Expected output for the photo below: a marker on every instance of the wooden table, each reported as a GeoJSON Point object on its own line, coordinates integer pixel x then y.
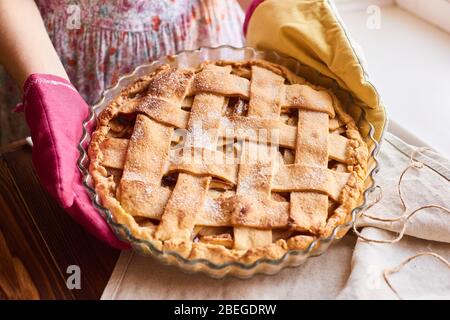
{"type": "Point", "coordinates": [38, 240]}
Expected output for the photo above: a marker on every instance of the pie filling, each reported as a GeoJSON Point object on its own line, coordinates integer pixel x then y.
{"type": "Point", "coordinates": [231, 161]}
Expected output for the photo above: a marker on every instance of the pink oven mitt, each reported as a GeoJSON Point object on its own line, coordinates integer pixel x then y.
{"type": "Point", "coordinates": [54, 111]}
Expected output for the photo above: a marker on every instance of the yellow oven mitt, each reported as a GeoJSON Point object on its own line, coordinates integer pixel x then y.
{"type": "Point", "coordinates": [311, 32]}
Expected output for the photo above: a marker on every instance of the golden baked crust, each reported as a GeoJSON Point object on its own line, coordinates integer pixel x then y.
{"type": "Point", "coordinates": [203, 193]}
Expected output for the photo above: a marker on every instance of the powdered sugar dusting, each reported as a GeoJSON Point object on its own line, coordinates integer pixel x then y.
{"type": "Point", "coordinates": [213, 115]}
{"type": "Point", "coordinates": [245, 185]}
{"type": "Point", "coordinates": [241, 107]}
{"type": "Point", "coordinates": [138, 133]}
{"type": "Point", "coordinates": [134, 176]}
{"type": "Point", "coordinates": [211, 205]}
{"type": "Point", "coordinates": [199, 138]}
{"type": "Point", "coordinates": [213, 212]}
{"type": "Point", "coordinates": [226, 123]}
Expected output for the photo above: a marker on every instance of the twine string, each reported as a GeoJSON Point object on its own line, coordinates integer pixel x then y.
{"type": "Point", "coordinates": [389, 271]}
{"type": "Point", "coordinates": [400, 233]}
{"type": "Point", "coordinates": [404, 217]}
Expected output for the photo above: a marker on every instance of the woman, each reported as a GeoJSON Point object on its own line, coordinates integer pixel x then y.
{"type": "Point", "coordinates": [98, 40]}
{"type": "Point", "coordinates": [65, 53]}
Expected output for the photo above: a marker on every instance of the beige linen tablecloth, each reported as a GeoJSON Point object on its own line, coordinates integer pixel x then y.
{"type": "Point", "coordinates": [351, 269]}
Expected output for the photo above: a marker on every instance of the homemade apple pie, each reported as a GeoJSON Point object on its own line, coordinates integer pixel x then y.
{"type": "Point", "coordinates": [230, 161]}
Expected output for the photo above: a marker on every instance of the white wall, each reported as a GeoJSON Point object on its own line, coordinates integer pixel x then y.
{"type": "Point", "coordinates": [409, 61]}
{"type": "Point", "coordinates": [436, 12]}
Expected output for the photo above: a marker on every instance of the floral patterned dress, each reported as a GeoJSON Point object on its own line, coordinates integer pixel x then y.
{"type": "Point", "coordinates": [98, 40]}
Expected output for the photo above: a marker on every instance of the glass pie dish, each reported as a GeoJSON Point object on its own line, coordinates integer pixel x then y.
{"type": "Point", "coordinates": [187, 59]}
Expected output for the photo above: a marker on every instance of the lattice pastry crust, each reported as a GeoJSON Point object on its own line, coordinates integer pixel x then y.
{"type": "Point", "coordinates": [173, 159]}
